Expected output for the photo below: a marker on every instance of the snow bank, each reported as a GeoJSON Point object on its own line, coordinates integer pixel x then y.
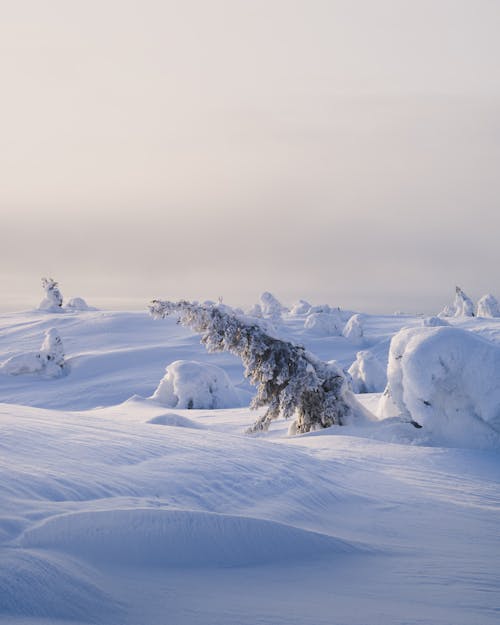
{"type": "Point", "coordinates": [445, 379]}
{"type": "Point", "coordinates": [367, 373]}
{"type": "Point", "coordinates": [191, 384]}
{"type": "Point", "coordinates": [487, 306]}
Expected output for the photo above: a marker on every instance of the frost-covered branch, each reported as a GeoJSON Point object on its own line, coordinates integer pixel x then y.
{"type": "Point", "coordinates": [290, 380]}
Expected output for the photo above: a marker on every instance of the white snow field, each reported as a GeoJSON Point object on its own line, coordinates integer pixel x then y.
{"type": "Point", "coordinates": [116, 509]}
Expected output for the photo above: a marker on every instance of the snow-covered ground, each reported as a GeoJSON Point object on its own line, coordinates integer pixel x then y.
{"type": "Point", "coordinates": [117, 509]}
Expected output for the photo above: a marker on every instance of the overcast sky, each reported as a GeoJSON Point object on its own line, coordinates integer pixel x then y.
{"type": "Point", "coordinates": [341, 151]}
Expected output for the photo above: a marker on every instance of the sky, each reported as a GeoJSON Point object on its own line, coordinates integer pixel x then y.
{"type": "Point", "coordinates": [345, 152]}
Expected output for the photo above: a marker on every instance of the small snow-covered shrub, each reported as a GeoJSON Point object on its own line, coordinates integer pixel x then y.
{"type": "Point", "coordinates": [462, 306]}
{"type": "Point", "coordinates": [53, 299]}
{"type": "Point", "coordinates": [190, 384]}
{"type": "Point", "coordinates": [324, 323]}
{"type": "Point", "coordinates": [300, 308]}
{"type": "Point", "coordinates": [270, 306]}
{"type": "Point", "coordinates": [77, 303]}
{"type": "Point", "coordinates": [434, 322]}
{"type": "Point", "coordinates": [487, 306]}
{"type": "Point", "coordinates": [353, 330]}
{"type": "Point", "coordinates": [48, 362]}
{"type": "Point", "coordinates": [367, 373]}
{"type": "Point", "coordinates": [446, 380]}
{"type": "Point", "coordinates": [290, 380]}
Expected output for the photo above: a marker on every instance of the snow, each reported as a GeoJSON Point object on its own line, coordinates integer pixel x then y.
{"type": "Point", "coordinates": [487, 306]}
{"type": "Point", "coordinates": [368, 375]}
{"type": "Point", "coordinates": [115, 509]}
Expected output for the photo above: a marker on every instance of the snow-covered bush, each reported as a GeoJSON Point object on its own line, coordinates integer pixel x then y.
{"type": "Point", "coordinates": [324, 323]}
{"type": "Point", "coordinates": [446, 380]}
{"type": "Point", "coordinates": [77, 303]}
{"type": "Point", "coordinates": [48, 362]}
{"type": "Point", "coordinates": [367, 373]}
{"type": "Point", "coordinates": [270, 306]}
{"type": "Point", "coordinates": [190, 384]}
{"type": "Point", "coordinates": [462, 306]}
{"type": "Point", "coordinates": [300, 308]}
{"type": "Point", "coordinates": [487, 306]}
{"type": "Point", "coordinates": [290, 381]}
{"type": "Point", "coordinates": [353, 330]}
{"type": "Point", "coordinates": [53, 299]}
{"type": "Point", "coordinates": [434, 322]}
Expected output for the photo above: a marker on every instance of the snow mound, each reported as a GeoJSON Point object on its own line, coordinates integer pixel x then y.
{"type": "Point", "coordinates": [488, 307]}
{"type": "Point", "coordinates": [180, 538]}
{"type": "Point", "coordinates": [77, 303]}
{"type": "Point", "coordinates": [48, 362]}
{"type": "Point", "coordinates": [367, 373]}
{"type": "Point", "coordinates": [446, 380]}
{"type": "Point", "coordinates": [324, 323]}
{"type": "Point", "coordinates": [434, 322]}
{"type": "Point", "coordinates": [174, 420]}
{"type": "Point", "coordinates": [191, 384]}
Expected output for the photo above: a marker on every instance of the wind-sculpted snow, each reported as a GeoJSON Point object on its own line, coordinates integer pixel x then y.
{"type": "Point", "coordinates": [162, 537]}
{"type": "Point", "coordinates": [115, 510]}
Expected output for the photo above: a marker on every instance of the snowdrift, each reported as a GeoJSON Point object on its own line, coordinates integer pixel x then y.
{"type": "Point", "coordinates": [445, 379]}
{"type": "Point", "coordinates": [179, 538]}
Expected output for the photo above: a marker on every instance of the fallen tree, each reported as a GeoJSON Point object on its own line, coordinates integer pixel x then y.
{"type": "Point", "coordinates": [290, 381]}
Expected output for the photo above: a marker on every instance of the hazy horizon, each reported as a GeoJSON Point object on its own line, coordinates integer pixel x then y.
{"type": "Point", "coordinates": [340, 152]}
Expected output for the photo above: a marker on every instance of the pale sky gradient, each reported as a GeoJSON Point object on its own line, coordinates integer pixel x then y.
{"type": "Point", "coordinates": [341, 151]}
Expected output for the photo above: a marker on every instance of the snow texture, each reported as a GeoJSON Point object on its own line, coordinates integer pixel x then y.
{"type": "Point", "coordinates": [190, 384]}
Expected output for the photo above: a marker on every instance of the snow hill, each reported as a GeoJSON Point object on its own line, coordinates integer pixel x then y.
{"type": "Point", "coordinates": [117, 508]}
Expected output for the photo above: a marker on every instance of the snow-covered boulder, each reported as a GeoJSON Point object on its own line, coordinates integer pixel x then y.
{"type": "Point", "coordinates": [190, 384]}
{"type": "Point", "coordinates": [300, 308]}
{"type": "Point", "coordinates": [353, 330]}
{"type": "Point", "coordinates": [48, 362]}
{"type": "Point", "coordinates": [462, 306]}
{"type": "Point", "coordinates": [368, 374]}
{"type": "Point", "coordinates": [77, 303]}
{"type": "Point", "coordinates": [53, 300]}
{"type": "Point", "coordinates": [487, 306]}
{"type": "Point", "coordinates": [446, 380]}
{"type": "Point", "coordinates": [324, 324]}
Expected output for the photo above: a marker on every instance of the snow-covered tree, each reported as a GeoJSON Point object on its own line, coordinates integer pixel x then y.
{"type": "Point", "coordinates": [487, 306]}
{"type": "Point", "coordinates": [353, 329]}
{"type": "Point", "coordinates": [462, 306]}
{"type": "Point", "coordinates": [47, 362]}
{"type": "Point", "coordinates": [271, 307]}
{"type": "Point", "coordinates": [53, 298]}
{"type": "Point", "coordinates": [290, 381]}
